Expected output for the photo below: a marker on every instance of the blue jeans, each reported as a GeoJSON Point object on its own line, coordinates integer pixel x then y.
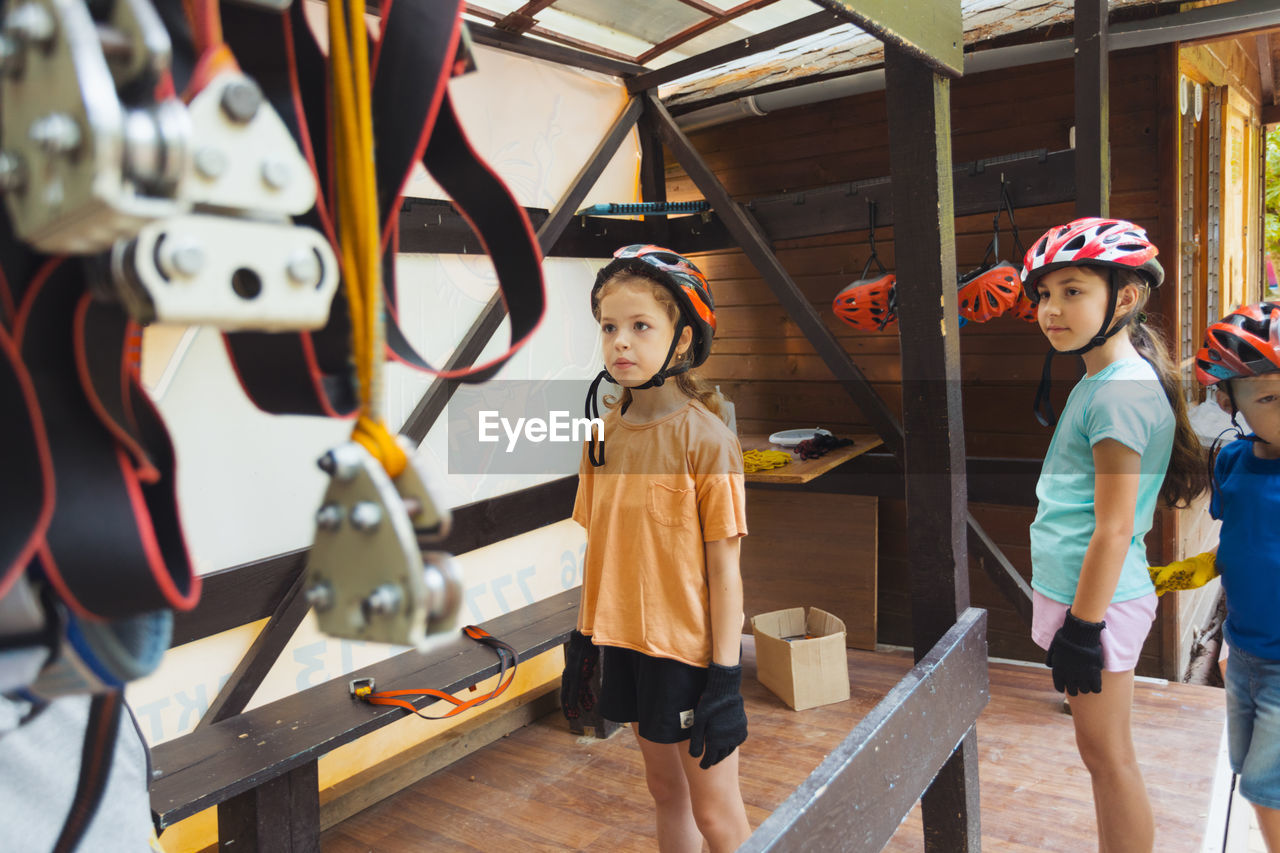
{"type": "Point", "coordinates": [1253, 726]}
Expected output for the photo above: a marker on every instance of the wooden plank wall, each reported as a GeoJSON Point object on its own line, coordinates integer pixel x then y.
{"type": "Point", "coordinates": [764, 364]}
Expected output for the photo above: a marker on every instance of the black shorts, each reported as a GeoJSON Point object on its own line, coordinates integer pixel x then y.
{"type": "Point", "coordinates": [656, 694]}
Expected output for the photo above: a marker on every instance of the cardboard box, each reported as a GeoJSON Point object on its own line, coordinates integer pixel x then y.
{"type": "Point", "coordinates": [804, 673]}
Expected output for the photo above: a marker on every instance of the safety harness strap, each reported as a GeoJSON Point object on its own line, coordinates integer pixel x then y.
{"type": "Point", "coordinates": [26, 503]}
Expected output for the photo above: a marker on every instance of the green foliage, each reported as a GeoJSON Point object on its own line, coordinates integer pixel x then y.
{"type": "Point", "coordinates": [1272, 218]}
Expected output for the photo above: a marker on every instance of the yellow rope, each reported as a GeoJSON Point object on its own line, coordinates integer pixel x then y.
{"type": "Point", "coordinates": [358, 223]}
{"type": "Point", "coordinates": [763, 460]}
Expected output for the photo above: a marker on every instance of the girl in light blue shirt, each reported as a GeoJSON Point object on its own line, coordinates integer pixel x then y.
{"type": "Point", "coordinates": [1123, 442]}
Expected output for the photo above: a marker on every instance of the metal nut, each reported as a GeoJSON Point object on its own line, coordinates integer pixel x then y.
{"type": "Point", "coordinates": [304, 268]}
{"type": "Point", "coordinates": [366, 516]}
{"type": "Point", "coordinates": [56, 133]}
{"type": "Point", "coordinates": [320, 596]}
{"type": "Point", "coordinates": [275, 174]}
{"type": "Point", "coordinates": [184, 258]}
{"type": "Point", "coordinates": [13, 173]}
{"type": "Point", "coordinates": [241, 100]}
{"type": "Point", "coordinates": [329, 517]}
{"type": "Point", "coordinates": [384, 601]}
{"type": "Point", "coordinates": [211, 163]}
{"type": "Point", "coordinates": [31, 23]}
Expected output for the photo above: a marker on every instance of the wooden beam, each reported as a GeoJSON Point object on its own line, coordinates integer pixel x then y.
{"type": "Point", "coordinates": [280, 814]}
{"type": "Point", "coordinates": [919, 119]}
{"type": "Point", "coordinates": [491, 37]}
{"type": "Point", "coordinates": [1271, 114]}
{"type": "Point", "coordinates": [653, 176]}
{"type": "Point", "coordinates": [1204, 24]}
{"type": "Point", "coordinates": [434, 227]}
{"type": "Point", "coordinates": [701, 27]}
{"type": "Point", "coordinates": [857, 798]}
{"type": "Point", "coordinates": [251, 591]}
{"type": "Point", "coordinates": [1034, 178]}
{"type": "Point", "coordinates": [521, 20]}
{"type": "Point", "coordinates": [1093, 111]}
{"type": "Point", "coordinates": [1266, 71]}
{"type": "Point", "coordinates": [767, 40]}
{"type": "Point", "coordinates": [932, 31]}
{"type": "Point", "coordinates": [433, 402]}
{"type": "Point", "coordinates": [756, 248]}
{"type": "Point", "coordinates": [255, 663]}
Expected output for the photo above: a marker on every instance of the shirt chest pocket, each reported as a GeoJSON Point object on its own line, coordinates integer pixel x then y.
{"type": "Point", "coordinates": [670, 507]}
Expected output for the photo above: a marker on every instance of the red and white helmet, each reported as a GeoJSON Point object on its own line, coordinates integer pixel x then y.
{"type": "Point", "coordinates": [1244, 343]}
{"type": "Point", "coordinates": [1093, 241]}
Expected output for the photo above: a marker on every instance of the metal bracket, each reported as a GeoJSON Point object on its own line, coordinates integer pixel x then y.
{"type": "Point", "coordinates": [368, 577]}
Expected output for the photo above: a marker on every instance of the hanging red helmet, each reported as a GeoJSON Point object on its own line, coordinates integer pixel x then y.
{"type": "Point", "coordinates": [680, 276]}
{"type": "Point", "coordinates": [1093, 241]}
{"type": "Point", "coordinates": [1246, 342]}
{"type": "Point", "coordinates": [988, 292]}
{"type": "Point", "coordinates": [869, 304]}
{"type": "Point", "coordinates": [1024, 308]}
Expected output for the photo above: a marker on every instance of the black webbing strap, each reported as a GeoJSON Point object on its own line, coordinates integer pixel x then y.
{"type": "Point", "coordinates": [26, 500]}
{"type": "Point", "coordinates": [114, 545]}
{"type": "Point", "coordinates": [100, 734]}
{"type": "Point", "coordinates": [308, 373]}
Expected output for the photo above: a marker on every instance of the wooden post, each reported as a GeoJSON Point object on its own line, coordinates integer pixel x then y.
{"type": "Point", "coordinates": [933, 425]}
{"type": "Point", "coordinates": [1093, 110]}
{"type": "Point", "coordinates": [281, 814]}
{"type": "Point", "coordinates": [653, 174]}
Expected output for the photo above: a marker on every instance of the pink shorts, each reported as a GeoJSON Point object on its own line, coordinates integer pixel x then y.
{"type": "Point", "coordinates": [1128, 623]}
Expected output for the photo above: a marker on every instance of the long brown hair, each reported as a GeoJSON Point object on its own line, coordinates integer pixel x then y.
{"type": "Point", "coordinates": [1187, 477]}
{"type": "Point", "coordinates": [689, 383]}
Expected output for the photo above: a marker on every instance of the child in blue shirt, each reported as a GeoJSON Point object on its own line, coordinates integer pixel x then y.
{"type": "Point", "coordinates": [1123, 442]}
{"type": "Point", "coordinates": [1241, 358]}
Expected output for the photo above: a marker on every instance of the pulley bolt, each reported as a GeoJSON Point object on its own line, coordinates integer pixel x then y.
{"type": "Point", "coordinates": [337, 467]}
{"type": "Point", "coordinates": [366, 516]}
{"type": "Point", "coordinates": [13, 174]}
{"type": "Point", "coordinates": [275, 174]}
{"type": "Point", "coordinates": [304, 267]}
{"type": "Point", "coordinates": [329, 517]}
{"type": "Point", "coordinates": [320, 596]}
{"type": "Point", "coordinates": [384, 601]}
{"type": "Point", "coordinates": [210, 163]}
{"type": "Point", "coordinates": [31, 23]}
{"type": "Point", "coordinates": [240, 100]}
{"type": "Point", "coordinates": [185, 259]}
{"type": "Point", "coordinates": [56, 133]}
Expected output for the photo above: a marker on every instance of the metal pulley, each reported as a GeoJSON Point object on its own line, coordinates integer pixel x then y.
{"type": "Point", "coordinates": [368, 575]}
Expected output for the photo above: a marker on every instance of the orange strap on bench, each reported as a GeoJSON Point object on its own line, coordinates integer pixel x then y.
{"type": "Point", "coordinates": [507, 657]}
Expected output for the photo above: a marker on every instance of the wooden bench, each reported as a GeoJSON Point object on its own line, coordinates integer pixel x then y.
{"type": "Point", "coordinates": [259, 767]}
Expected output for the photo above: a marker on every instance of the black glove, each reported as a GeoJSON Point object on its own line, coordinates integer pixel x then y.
{"type": "Point", "coordinates": [719, 720]}
{"type": "Point", "coordinates": [1076, 656]}
{"type": "Point", "coordinates": [580, 659]}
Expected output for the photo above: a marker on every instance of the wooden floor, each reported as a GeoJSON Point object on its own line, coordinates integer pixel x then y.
{"type": "Point", "coordinates": [542, 789]}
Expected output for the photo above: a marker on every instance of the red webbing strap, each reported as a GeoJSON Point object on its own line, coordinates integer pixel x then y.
{"type": "Point", "coordinates": [114, 545]}
{"type": "Point", "coordinates": [508, 660]}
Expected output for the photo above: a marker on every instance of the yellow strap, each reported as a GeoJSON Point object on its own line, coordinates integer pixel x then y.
{"type": "Point", "coordinates": [357, 199]}
{"type": "Point", "coordinates": [763, 460]}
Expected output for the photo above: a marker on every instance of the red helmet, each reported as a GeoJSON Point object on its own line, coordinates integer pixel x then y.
{"type": "Point", "coordinates": [1112, 243]}
{"type": "Point", "coordinates": [680, 276]}
{"type": "Point", "coordinates": [870, 304]}
{"type": "Point", "coordinates": [988, 292]}
{"type": "Point", "coordinates": [1024, 308]}
{"type": "Point", "coordinates": [1246, 342]}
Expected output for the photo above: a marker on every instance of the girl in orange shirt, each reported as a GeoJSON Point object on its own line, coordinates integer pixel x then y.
{"type": "Point", "coordinates": [664, 511]}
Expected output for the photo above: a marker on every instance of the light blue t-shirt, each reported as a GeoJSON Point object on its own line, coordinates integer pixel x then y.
{"type": "Point", "coordinates": [1124, 402]}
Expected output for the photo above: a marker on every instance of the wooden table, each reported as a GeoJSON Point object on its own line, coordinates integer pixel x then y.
{"type": "Point", "coordinates": [803, 470]}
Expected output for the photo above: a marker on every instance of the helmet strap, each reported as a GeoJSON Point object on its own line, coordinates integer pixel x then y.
{"type": "Point", "coordinates": [595, 446]}
{"type": "Point", "coordinates": [1231, 395]}
{"type": "Point", "coordinates": [657, 380]}
{"type": "Point", "coordinates": [1042, 407]}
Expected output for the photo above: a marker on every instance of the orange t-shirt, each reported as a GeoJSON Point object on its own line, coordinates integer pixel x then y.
{"type": "Point", "coordinates": [667, 487]}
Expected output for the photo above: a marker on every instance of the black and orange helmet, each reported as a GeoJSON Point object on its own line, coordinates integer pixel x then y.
{"type": "Point", "coordinates": [681, 276]}
{"type": "Point", "coordinates": [870, 304]}
{"type": "Point", "coordinates": [1244, 343]}
{"type": "Point", "coordinates": [989, 291]}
